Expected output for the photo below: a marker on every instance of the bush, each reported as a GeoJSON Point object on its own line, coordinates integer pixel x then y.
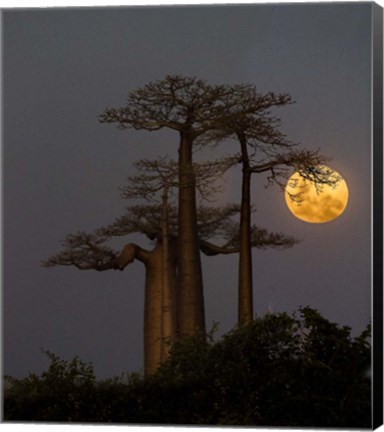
{"type": "Point", "coordinates": [280, 370]}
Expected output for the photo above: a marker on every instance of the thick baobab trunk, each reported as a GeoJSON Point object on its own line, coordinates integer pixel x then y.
{"type": "Point", "coordinates": [245, 305]}
{"type": "Point", "coordinates": [191, 318]}
{"type": "Point", "coordinates": [153, 302]}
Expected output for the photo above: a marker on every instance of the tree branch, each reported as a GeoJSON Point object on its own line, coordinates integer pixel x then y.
{"type": "Point", "coordinates": [260, 239]}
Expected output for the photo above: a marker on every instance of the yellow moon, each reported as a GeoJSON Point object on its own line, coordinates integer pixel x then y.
{"type": "Point", "coordinates": [316, 206]}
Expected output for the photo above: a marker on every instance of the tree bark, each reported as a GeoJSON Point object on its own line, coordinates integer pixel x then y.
{"type": "Point", "coordinates": [152, 311]}
{"type": "Point", "coordinates": [191, 317]}
{"type": "Point", "coordinates": [245, 300]}
{"type": "Point", "coordinates": [153, 301]}
{"type": "Point", "coordinates": [168, 324]}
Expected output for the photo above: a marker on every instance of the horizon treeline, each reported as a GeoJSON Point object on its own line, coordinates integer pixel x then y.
{"type": "Point", "coordinates": [280, 370]}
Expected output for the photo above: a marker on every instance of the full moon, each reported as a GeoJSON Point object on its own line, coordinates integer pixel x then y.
{"type": "Point", "coordinates": [316, 205]}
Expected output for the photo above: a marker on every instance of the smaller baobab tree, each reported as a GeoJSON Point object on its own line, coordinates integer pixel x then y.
{"type": "Point", "coordinates": [160, 177]}
{"type": "Point", "coordinates": [263, 149]}
{"type": "Point", "coordinates": [157, 183]}
{"type": "Point", "coordinates": [87, 251]}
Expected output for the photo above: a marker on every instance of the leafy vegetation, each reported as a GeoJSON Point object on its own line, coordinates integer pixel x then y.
{"type": "Point", "coordinates": [279, 370]}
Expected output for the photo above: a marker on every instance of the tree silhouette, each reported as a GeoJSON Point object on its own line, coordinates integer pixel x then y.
{"type": "Point", "coordinates": [192, 108]}
{"type": "Point", "coordinates": [263, 149]}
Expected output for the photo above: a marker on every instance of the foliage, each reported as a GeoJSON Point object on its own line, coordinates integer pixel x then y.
{"type": "Point", "coordinates": [280, 370]}
{"type": "Point", "coordinates": [277, 371]}
{"type": "Point", "coordinates": [63, 393]}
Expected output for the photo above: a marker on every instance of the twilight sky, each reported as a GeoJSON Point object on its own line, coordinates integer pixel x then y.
{"type": "Point", "coordinates": [62, 168]}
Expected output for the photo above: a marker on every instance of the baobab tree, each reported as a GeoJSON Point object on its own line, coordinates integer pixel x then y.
{"type": "Point", "coordinates": [263, 149]}
{"type": "Point", "coordinates": [192, 108]}
{"type": "Point", "coordinates": [91, 251]}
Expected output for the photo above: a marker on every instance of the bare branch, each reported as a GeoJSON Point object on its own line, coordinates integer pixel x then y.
{"type": "Point", "coordinates": [88, 252]}
{"type": "Point", "coordinates": [144, 219]}
{"type": "Point", "coordinates": [210, 112]}
{"type": "Point", "coordinates": [84, 251]}
{"type": "Point", "coordinates": [260, 238]}
{"type": "Point", "coordinates": [175, 102]}
{"type": "Point", "coordinates": [155, 175]}
{"type": "Point", "coordinates": [250, 115]}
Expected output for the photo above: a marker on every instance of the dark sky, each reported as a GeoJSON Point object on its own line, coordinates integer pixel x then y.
{"type": "Point", "coordinates": [62, 168]}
